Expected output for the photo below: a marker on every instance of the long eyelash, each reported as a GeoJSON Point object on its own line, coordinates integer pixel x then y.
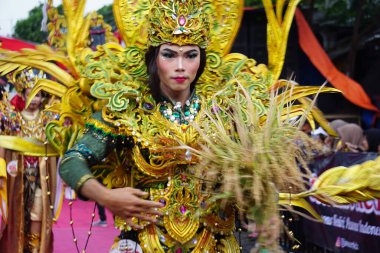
{"type": "Point", "coordinates": [192, 55]}
{"type": "Point", "coordinates": [167, 54]}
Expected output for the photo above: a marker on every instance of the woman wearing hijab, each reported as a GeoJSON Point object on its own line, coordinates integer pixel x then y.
{"type": "Point", "coordinates": [352, 138]}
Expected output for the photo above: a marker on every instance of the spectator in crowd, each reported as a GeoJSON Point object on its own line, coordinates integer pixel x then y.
{"type": "Point", "coordinates": [352, 138]}
{"type": "Point", "coordinates": [331, 142]}
{"type": "Point", "coordinates": [335, 124]}
{"type": "Point", "coordinates": [306, 128]}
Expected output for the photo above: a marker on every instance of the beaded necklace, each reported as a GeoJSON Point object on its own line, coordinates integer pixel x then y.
{"type": "Point", "coordinates": [173, 110]}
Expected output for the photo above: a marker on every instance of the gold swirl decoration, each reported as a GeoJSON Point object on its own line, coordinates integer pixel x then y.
{"type": "Point", "coordinates": [61, 137]}
{"type": "Point", "coordinates": [114, 173]}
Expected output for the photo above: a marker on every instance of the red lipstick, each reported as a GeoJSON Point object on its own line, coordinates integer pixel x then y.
{"type": "Point", "coordinates": [180, 79]}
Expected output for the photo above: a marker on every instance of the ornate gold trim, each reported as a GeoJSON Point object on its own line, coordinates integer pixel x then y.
{"type": "Point", "coordinates": [82, 180]}
{"type": "Point", "coordinates": [102, 126]}
{"type": "Point", "coordinates": [149, 238]}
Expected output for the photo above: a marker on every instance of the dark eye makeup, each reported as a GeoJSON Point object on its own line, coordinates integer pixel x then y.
{"type": "Point", "coordinates": [168, 53]}
{"type": "Point", "coordinates": [192, 54]}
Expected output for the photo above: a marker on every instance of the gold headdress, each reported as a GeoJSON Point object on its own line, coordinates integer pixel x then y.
{"type": "Point", "coordinates": [26, 79]}
{"type": "Point", "coordinates": [178, 21]}
{"type": "Point", "coordinates": [211, 24]}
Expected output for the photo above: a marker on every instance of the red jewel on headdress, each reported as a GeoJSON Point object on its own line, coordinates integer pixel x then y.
{"type": "Point", "coordinates": [182, 20]}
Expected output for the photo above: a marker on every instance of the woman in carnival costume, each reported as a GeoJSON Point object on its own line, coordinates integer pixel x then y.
{"type": "Point", "coordinates": [30, 178]}
{"type": "Point", "coordinates": [149, 114]}
{"type": "Point", "coordinates": [175, 60]}
{"type": "Point", "coordinates": [165, 102]}
{"type": "Point", "coordinates": [174, 122]}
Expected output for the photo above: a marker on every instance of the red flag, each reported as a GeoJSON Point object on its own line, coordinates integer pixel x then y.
{"type": "Point", "coordinates": [14, 44]}
{"type": "Point", "coordinates": [352, 90]}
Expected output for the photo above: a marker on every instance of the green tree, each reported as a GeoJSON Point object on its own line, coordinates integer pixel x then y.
{"type": "Point", "coordinates": [30, 28]}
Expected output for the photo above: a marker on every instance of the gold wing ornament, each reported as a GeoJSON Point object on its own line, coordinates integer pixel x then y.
{"type": "Point", "coordinates": [130, 17]}
{"type": "Point", "coordinates": [68, 85]}
{"type": "Point", "coordinates": [73, 108]}
{"type": "Point", "coordinates": [280, 17]}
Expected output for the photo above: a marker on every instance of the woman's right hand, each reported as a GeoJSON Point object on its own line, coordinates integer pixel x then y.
{"type": "Point", "coordinates": [129, 203]}
{"type": "Point", "coordinates": [124, 202]}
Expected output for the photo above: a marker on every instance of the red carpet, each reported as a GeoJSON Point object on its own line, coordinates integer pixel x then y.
{"type": "Point", "coordinates": [101, 238]}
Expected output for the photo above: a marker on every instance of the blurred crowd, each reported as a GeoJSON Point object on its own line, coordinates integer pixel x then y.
{"type": "Point", "coordinates": [350, 137]}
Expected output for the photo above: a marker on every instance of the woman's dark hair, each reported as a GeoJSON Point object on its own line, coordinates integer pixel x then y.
{"type": "Point", "coordinates": [154, 81]}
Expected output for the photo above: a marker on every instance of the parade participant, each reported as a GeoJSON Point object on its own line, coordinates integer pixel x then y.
{"type": "Point", "coordinates": [100, 32]}
{"type": "Point", "coordinates": [175, 63]}
{"type": "Point", "coordinates": [151, 111]}
{"type": "Point", "coordinates": [331, 141]}
{"type": "Point", "coordinates": [97, 30]}
{"type": "Point", "coordinates": [145, 121]}
{"type": "Point", "coordinates": [28, 229]}
{"type": "Point", "coordinates": [335, 124]}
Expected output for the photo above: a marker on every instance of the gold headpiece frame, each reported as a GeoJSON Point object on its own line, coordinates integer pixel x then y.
{"type": "Point", "coordinates": [201, 22]}
{"type": "Point", "coordinates": [179, 22]}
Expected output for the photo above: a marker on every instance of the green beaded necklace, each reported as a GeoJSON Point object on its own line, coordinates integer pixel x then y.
{"type": "Point", "coordinates": [174, 113]}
